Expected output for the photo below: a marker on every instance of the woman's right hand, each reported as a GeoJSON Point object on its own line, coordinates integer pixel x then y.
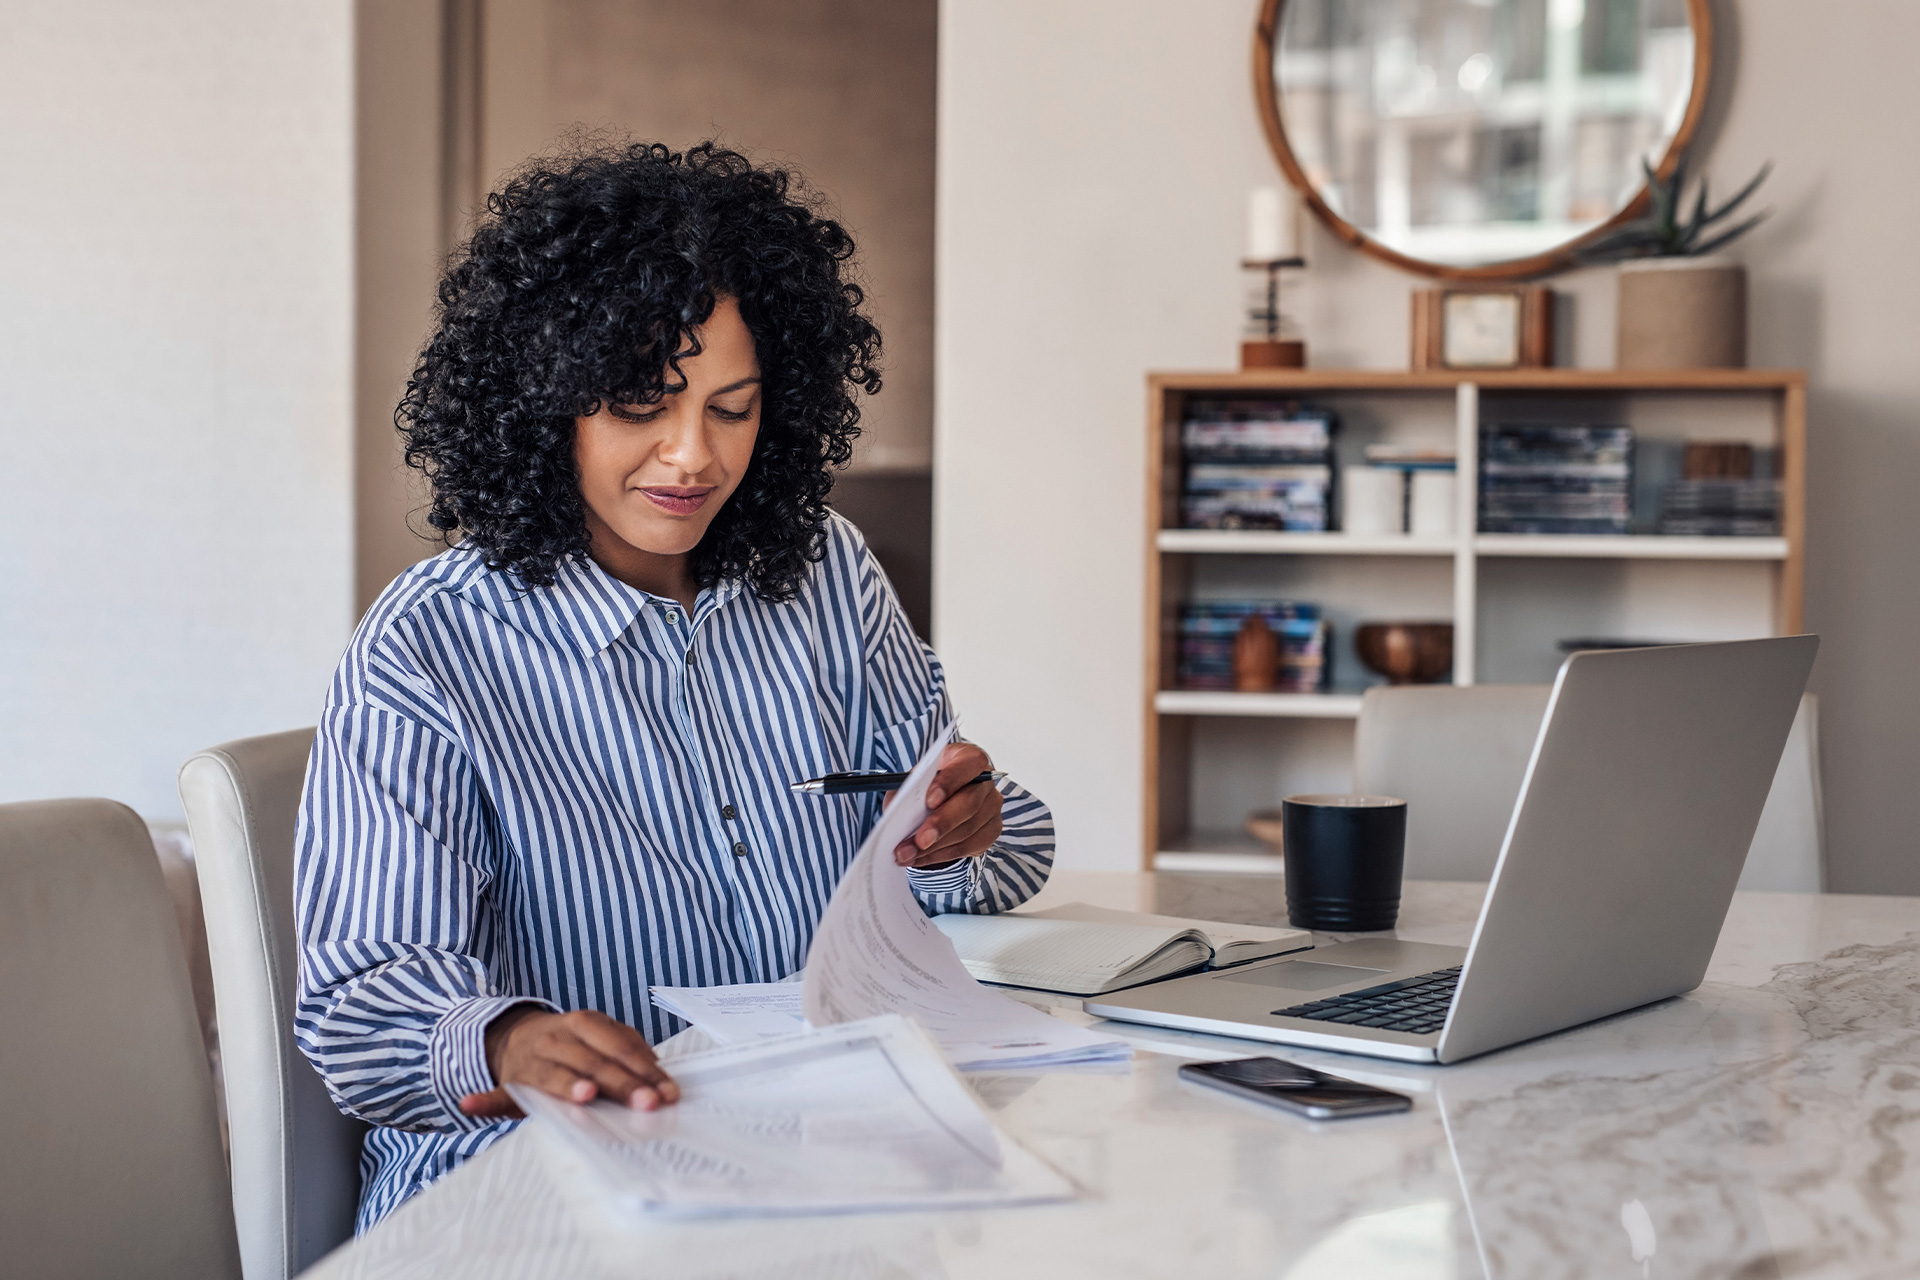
{"type": "Point", "coordinates": [577, 1056]}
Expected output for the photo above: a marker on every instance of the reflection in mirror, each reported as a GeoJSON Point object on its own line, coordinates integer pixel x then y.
{"type": "Point", "coordinates": [1461, 133]}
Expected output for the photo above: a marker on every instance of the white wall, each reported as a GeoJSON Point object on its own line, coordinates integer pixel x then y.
{"type": "Point", "coordinates": [175, 383]}
{"type": "Point", "coordinates": [1094, 159]}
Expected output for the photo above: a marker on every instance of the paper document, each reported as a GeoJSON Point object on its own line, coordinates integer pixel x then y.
{"type": "Point", "coordinates": [855, 1117]}
{"type": "Point", "coordinates": [877, 952]}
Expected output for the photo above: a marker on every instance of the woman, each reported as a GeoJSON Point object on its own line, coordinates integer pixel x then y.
{"type": "Point", "coordinates": [553, 766]}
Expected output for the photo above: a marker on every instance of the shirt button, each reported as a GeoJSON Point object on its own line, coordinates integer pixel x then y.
{"type": "Point", "coordinates": [673, 618]}
{"type": "Point", "coordinates": [727, 812]}
{"type": "Point", "coordinates": [739, 850]}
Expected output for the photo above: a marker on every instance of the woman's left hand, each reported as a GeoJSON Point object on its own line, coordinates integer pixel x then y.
{"type": "Point", "coordinates": [964, 820]}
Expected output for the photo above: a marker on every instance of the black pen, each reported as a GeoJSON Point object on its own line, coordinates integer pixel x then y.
{"type": "Point", "coordinates": [840, 784]}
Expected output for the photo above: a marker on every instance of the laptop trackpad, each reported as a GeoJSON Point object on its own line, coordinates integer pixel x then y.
{"type": "Point", "coordinates": [1300, 975]}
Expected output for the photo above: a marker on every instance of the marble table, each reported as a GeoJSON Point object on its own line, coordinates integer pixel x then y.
{"type": "Point", "coordinates": [1765, 1125]}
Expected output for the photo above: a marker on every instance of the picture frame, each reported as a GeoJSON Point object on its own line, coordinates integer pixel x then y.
{"type": "Point", "coordinates": [1482, 327]}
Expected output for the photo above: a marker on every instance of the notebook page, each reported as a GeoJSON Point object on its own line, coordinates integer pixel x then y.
{"type": "Point", "coordinates": [1062, 955]}
{"type": "Point", "coordinates": [1222, 935]}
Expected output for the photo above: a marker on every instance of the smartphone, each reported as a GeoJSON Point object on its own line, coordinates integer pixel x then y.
{"type": "Point", "coordinates": [1301, 1090]}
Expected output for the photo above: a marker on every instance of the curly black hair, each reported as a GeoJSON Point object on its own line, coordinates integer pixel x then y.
{"type": "Point", "coordinates": [582, 286]}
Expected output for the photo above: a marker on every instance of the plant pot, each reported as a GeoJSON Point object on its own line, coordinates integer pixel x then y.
{"type": "Point", "coordinates": [1682, 313]}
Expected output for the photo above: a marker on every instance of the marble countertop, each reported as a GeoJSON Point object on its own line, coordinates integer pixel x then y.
{"type": "Point", "coordinates": [1764, 1125]}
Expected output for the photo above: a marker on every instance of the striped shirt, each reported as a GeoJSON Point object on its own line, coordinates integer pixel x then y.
{"type": "Point", "coordinates": [571, 793]}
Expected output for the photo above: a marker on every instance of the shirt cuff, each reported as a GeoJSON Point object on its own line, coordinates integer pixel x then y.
{"type": "Point", "coordinates": [944, 888]}
{"type": "Point", "coordinates": [457, 1052]}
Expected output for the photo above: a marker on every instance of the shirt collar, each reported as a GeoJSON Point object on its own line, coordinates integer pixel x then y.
{"type": "Point", "coordinates": [593, 608]}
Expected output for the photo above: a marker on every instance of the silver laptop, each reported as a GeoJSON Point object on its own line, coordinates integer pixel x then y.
{"type": "Point", "coordinates": [1619, 863]}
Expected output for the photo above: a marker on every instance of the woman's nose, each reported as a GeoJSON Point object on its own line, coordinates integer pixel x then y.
{"type": "Point", "coordinates": [685, 446]}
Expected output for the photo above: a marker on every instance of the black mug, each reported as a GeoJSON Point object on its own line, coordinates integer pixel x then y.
{"type": "Point", "coordinates": [1344, 857]}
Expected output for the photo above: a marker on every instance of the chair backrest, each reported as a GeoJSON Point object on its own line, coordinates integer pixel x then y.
{"type": "Point", "coordinates": [110, 1161]}
{"type": "Point", "coordinates": [1457, 756]}
{"type": "Point", "coordinates": [296, 1158]}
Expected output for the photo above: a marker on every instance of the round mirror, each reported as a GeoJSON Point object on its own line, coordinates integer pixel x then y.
{"type": "Point", "coordinates": [1478, 138]}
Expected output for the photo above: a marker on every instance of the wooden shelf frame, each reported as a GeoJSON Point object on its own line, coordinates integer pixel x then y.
{"type": "Point", "coordinates": [1169, 713]}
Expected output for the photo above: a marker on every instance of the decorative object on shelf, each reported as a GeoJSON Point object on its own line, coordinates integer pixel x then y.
{"type": "Point", "coordinates": [1257, 464]}
{"type": "Point", "coordinates": [1556, 479]}
{"type": "Point", "coordinates": [1680, 307]}
{"type": "Point", "coordinates": [1682, 313]}
{"type": "Point", "coordinates": [1482, 328]}
{"type": "Point", "coordinates": [1466, 139]}
{"type": "Point", "coordinates": [1210, 638]}
{"type": "Point", "coordinates": [1373, 501]}
{"type": "Point", "coordinates": [1268, 827]}
{"type": "Point", "coordinates": [1273, 245]}
{"type": "Point", "coordinates": [1717, 460]}
{"type": "Point", "coordinates": [1406, 652]}
{"type": "Point", "coordinates": [1432, 498]}
{"type": "Point", "coordinates": [1256, 656]}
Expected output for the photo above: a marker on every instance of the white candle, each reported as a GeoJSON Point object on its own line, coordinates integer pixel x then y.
{"type": "Point", "coordinates": [1269, 224]}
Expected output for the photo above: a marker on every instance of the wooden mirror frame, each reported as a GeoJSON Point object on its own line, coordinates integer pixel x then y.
{"type": "Point", "coordinates": [1266, 93]}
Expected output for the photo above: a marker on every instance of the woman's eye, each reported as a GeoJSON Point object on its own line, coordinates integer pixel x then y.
{"type": "Point", "coordinates": [732, 415]}
{"type": "Point", "coordinates": [635, 412]}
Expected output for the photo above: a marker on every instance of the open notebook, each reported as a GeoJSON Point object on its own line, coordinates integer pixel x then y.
{"type": "Point", "coordinates": [1083, 950]}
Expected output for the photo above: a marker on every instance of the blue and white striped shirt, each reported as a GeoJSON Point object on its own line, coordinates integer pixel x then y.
{"type": "Point", "coordinates": [569, 794]}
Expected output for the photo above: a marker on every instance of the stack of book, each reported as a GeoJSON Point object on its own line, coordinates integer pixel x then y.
{"type": "Point", "coordinates": [1208, 630]}
{"type": "Point", "coordinates": [1411, 457]}
{"type": "Point", "coordinates": [1721, 508]}
{"type": "Point", "coordinates": [1555, 479]}
{"type": "Point", "coordinates": [1257, 464]}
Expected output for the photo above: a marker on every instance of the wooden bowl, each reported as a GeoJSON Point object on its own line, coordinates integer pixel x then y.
{"type": "Point", "coordinates": [1264, 825]}
{"type": "Point", "coordinates": [1406, 652]}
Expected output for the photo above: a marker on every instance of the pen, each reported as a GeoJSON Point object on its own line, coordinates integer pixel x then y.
{"type": "Point", "coordinates": [840, 784]}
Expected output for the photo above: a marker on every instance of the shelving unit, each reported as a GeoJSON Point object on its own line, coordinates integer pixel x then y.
{"type": "Point", "coordinates": [1210, 753]}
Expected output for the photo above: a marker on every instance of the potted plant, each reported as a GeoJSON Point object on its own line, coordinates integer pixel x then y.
{"type": "Point", "coordinates": [1681, 307]}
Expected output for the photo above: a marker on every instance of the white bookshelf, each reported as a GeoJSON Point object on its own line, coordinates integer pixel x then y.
{"type": "Point", "coordinates": [1209, 702]}
{"type": "Point", "coordinates": [1508, 595]}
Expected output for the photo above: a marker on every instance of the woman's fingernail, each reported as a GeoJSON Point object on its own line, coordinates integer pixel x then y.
{"type": "Point", "coordinates": [582, 1091]}
{"type": "Point", "coordinates": [935, 797]}
{"type": "Point", "coordinates": [643, 1099]}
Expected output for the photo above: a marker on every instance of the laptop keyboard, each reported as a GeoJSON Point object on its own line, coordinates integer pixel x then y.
{"type": "Point", "coordinates": [1415, 1005]}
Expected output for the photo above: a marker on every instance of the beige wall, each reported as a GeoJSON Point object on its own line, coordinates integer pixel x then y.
{"type": "Point", "coordinates": [1094, 163]}
{"type": "Point", "coordinates": [399, 239]}
{"type": "Point", "coordinates": [175, 383]}
{"type": "Point", "coordinates": [842, 90]}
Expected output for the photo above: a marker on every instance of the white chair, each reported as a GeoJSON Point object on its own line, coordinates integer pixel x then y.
{"type": "Point", "coordinates": [110, 1161]}
{"type": "Point", "coordinates": [1457, 757]}
{"type": "Point", "coordinates": [296, 1158]}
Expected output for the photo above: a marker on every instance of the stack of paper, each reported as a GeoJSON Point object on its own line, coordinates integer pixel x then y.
{"type": "Point", "coordinates": [1009, 1039]}
{"type": "Point", "coordinates": [856, 1117]}
{"type": "Point", "coordinates": [876, 952]}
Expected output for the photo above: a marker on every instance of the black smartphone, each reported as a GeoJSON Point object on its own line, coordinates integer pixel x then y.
{"type": "Point", "coordinates": [1301, 1090]}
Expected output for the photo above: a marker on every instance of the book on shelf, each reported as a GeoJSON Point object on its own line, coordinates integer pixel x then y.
{"type": "Point", "coordinates": [1720, 508]}
{"type": "Point", "coordinates": [1208, 629]}
{"type": "Point", "coordinates": [1556, 479]}
{"type": "Point", "coordinates": [1085, 950]}
{"type": "Point", "coordinates": [1256, 464]}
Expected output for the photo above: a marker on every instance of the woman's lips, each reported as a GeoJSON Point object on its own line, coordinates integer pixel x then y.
{"type": "Point", "coordinates": [676, 500]}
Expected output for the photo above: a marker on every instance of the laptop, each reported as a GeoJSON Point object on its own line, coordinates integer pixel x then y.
{"type": "Point", "coordinates": [1620, 860]}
